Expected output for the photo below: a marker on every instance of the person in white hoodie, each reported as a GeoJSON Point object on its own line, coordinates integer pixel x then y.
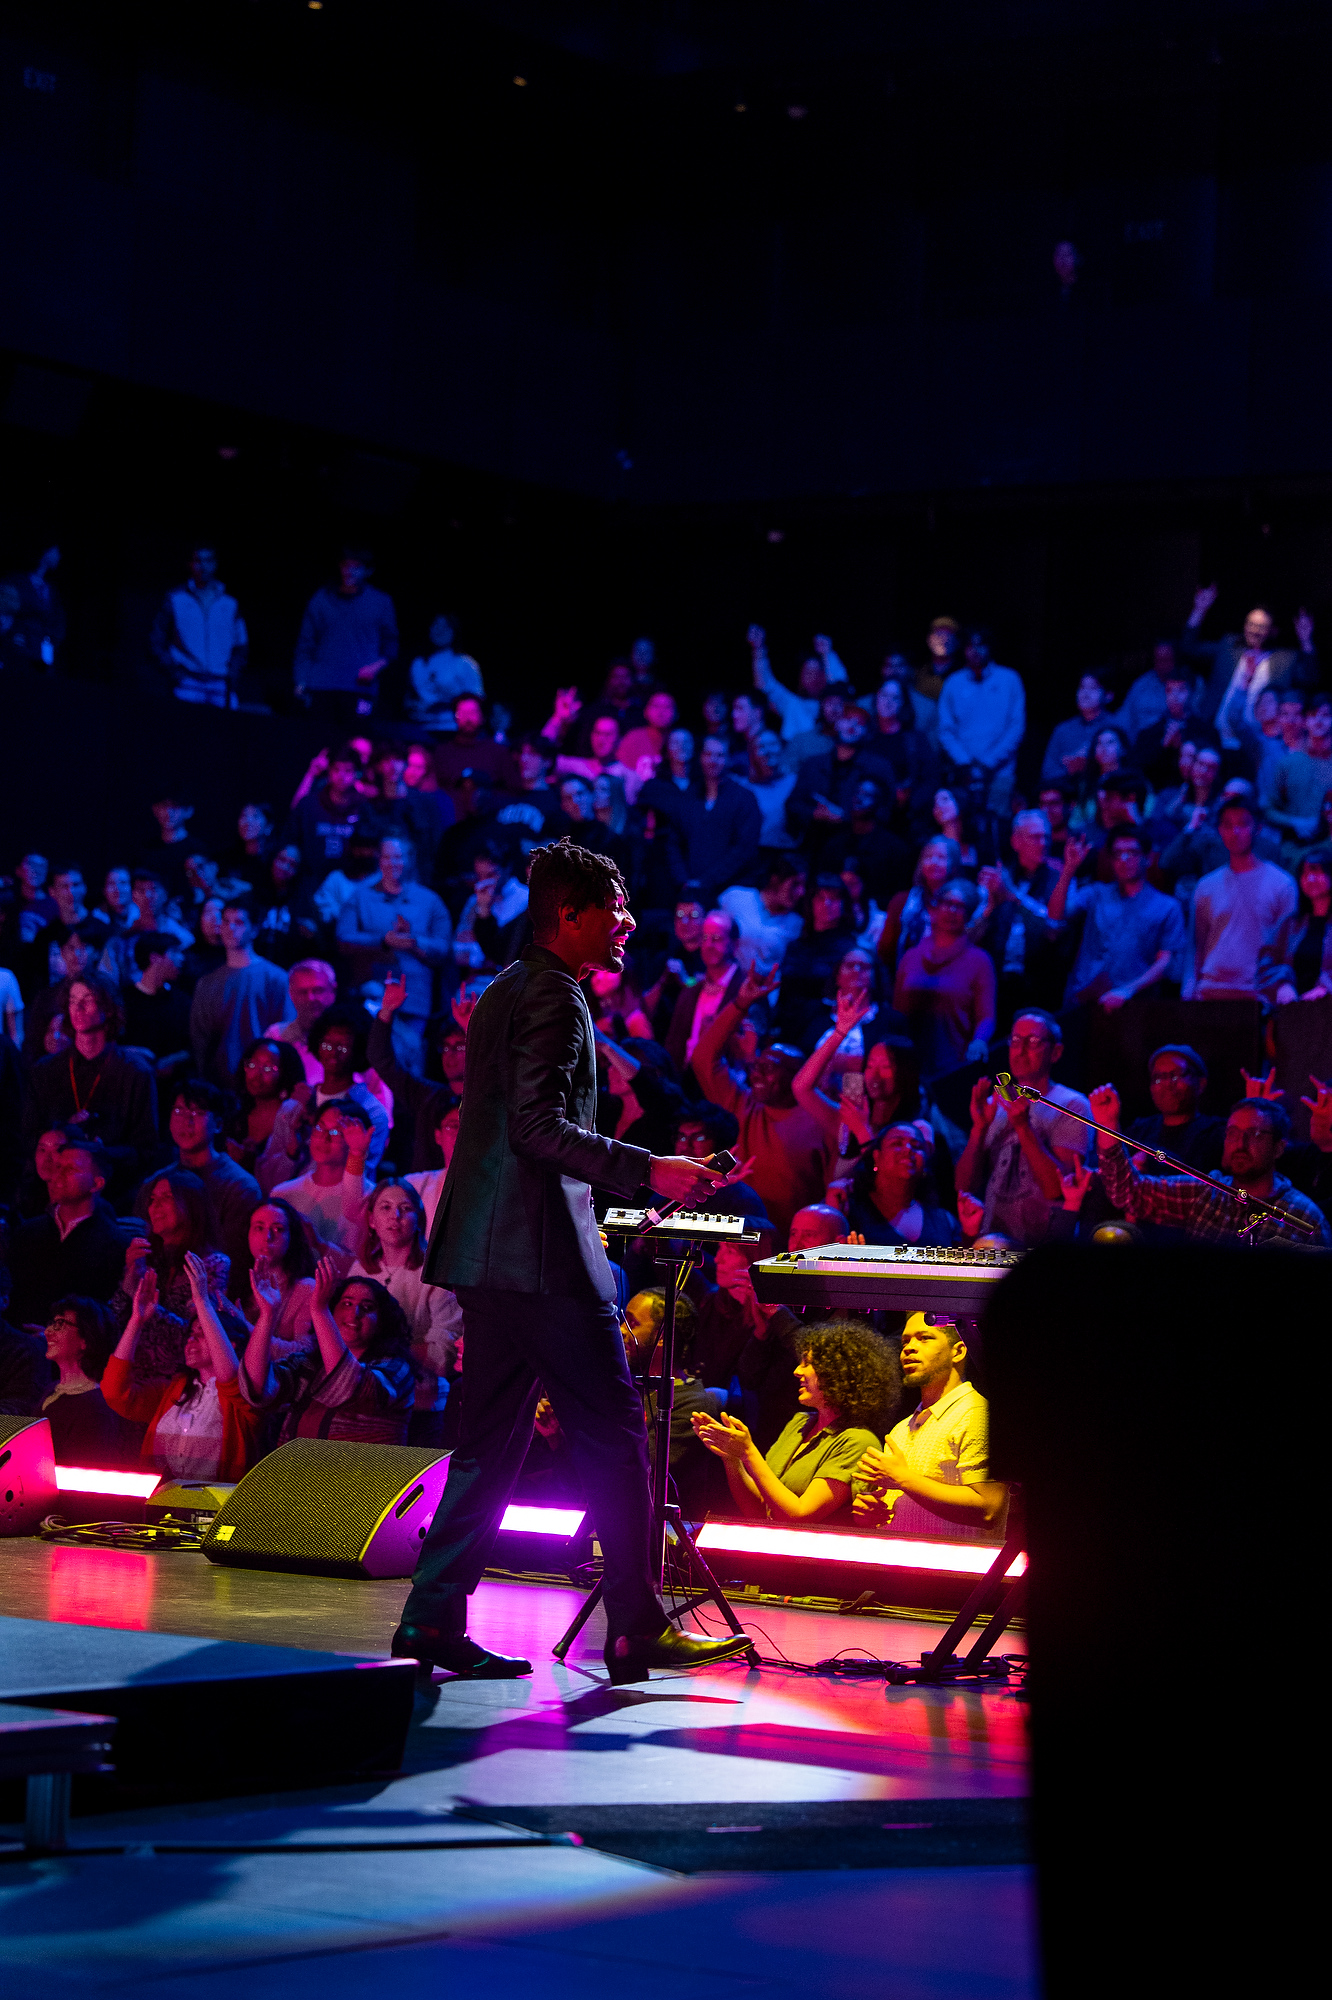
{"type": "Point", "coordinates": [199, 636]}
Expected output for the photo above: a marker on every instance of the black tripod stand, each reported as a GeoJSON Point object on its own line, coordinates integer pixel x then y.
{"type": "Point", "coordinates": [668, 1529]}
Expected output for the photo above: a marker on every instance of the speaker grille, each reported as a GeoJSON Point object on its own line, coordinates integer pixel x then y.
{"type": "Point", "coordinates": [314, 1502]}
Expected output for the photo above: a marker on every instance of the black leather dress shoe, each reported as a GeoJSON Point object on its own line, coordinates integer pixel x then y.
{"type": "Point", "coordinates": [455, 1654]}
{"type": "Point", "coordinates": [629, 1657]}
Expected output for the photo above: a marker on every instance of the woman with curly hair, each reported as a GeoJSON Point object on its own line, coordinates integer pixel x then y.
{"type": "Point", "coordinates": [357, 1382]}
{"type": "Point", "coordinates": [270, 1072]}
{"type": "Point", "coordinates": [850, 1385]}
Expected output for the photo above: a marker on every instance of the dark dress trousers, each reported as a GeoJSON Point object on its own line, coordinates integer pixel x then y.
{"type": "Point", "coordinates": [516, 1238]}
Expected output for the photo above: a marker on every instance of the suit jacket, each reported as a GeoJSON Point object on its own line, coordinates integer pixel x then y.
{"type": "Point", "coordinates": [714, 848]}
{"type": "Point", "coordinates": [1218, 658]}
{"type": "Point", "coordinates": [516, 1211]}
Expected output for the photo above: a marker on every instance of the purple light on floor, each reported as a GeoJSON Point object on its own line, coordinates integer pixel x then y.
{"type": "Point", "coordinates": [562, 1521]}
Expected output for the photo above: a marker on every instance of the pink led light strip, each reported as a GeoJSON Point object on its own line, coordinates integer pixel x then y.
{"type": "Point", "coordinates": [867, 1551]}
{"type": "Point", "coordinates": [85, 1479]}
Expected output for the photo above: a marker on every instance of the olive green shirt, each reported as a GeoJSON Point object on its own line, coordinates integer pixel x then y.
{"type": "Point", "coordinates": [801, 1455]}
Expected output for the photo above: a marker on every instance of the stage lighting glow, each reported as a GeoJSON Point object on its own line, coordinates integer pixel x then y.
{"type": "Point", "coordinates": [868, 1551]}
{"type": "Point", "coordinates": [563, 1521]}
{"type": "Point", "coordinates": [521, 82]}
{"type": "Point", "coordinates": [90, 1479]}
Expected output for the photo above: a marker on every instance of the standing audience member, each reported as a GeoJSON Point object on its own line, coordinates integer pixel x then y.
{"type": "Point", "coordinates": [348, 636]}
{"type": "Point", "coordinates": [155, 1004]}
{"type": "Point", "coordinates": [715, 825]}
{"type": "Point", "coordinates": [396, 925]}
{"type": "Point", "coordinates": [790, 1154]}
{"type": "Point", "coordinates": [426, 1104]}
{"type": "Point", "coordinates": [702, 1000]}
{"type": "Point", "coordinates": [234, 1004]}
{"type": "Point", "coordinates": [324, 819]}
{"type": "Point", "coordinates": [75, 1247]}
{"type": "Point", "coordinates": [181, 1224]}
{"type": "Point", "coordinates": [945, 987]}
{"type": "Point", "coordinates": [1011, 1175]}
{"type": "Point", "coordinates": [1243, 918]}
{"type": "Point", "coordinates": [197, 1125]}
{"type": "Point", "coordinates": [1015, 925]}
{"type": "Point", "coordinates": [982, 715]}
{"type": "Point", "coordinates": [94, 1084]}
{"type": "Point", "coordinates": [270, 1074]}
{"type": "Point", "coordinates": [340, 1037]}
{"type": "Point", "coordinates": [437, 679]}
{"type": "Point", "coordinates": [1131, 935]}
{"type": "Point", "coordinates": [312, 987]}
{"type": "Point", "coordinates": [199, 636]}
{"type": "Point", "coordinates": [768, 917]}
{"type": "Point", "coordinates": [890, 1198]}
{"type": "Point", "coordinates": [1311, 954]}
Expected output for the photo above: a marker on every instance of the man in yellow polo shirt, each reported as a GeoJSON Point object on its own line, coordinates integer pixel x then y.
{"type": "Point", "coordinates": [932, 1477]}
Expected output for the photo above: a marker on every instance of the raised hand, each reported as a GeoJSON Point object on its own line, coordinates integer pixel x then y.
{"type": "Point", "coordinates": [358, 1139]}
{"type": "Point", "coordinates": [145, 1296]}
{"type": "Point", "coordinates": [395, 992]}
{"type": "Point", "coordinates": [984, 1103]}
{"type": "Point", "coordinates": [993, 884]}
{"type": "Point", "coordinates": [1076, 851]}
{"type": "Point", "coordinates": [1319, 1107]}
{"type": "Point", "coordinates": [1304, 629]}
{"type": "Point", "coordinates": [970, 1213]}
{"type": "Point", "coordinates": [567, 705]}
{"type": "Point", "coordinates": [822, 645]}
{"type": "Point", "coordinates": [327, 1277]}
{"type": "Point", "coordinates": [136, 1258]}
{"type": "Point", "coordinates": [264, 1285]}
{"type": "Point", "coordinates": [1263, 1086]}
{"type": "Point", "coordinates": [754, 986]}
{"type": "Point", "coordinates": [851, 1010]}
{"type": "Point", "coordinates": [1104, 1102]}
{"type": "Point", "coordinates": [196, 1272]}
{"type": "Point", "coordinates": [1076, 1185]}
{"type": "Point", "coordinates": [755, 637]}
{"type": "Point", "coordinates": [1204, 599]}
{"type": "Point", "coordinates": [462, 1007]}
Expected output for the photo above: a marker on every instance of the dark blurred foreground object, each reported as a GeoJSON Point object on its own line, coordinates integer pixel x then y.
{"type": "Point", "coordinates": [1144, 1398]}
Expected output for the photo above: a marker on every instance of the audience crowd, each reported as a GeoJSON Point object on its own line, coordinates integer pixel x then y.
{"type": "Point", "coordinates": [230, 1072]}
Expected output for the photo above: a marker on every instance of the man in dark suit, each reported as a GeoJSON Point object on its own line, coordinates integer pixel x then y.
{"type": "Point", "coordinates": [516, 1238]}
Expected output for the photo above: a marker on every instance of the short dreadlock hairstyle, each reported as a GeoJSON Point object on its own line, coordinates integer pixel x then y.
{"type": "Point", "coordinates": [564, 876]}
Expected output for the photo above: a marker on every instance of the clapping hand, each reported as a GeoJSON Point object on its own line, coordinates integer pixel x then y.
{"type": "Point", "coordinates": [327, 1278]}
{"type": "Point", "coordinates": [984, 1103]}
{"type": "Point", "coordinates": [264, 1285]}
{"type": "Point", "coordinates": [970, 1213]}
{"type": "Point", "coordinates": [197, 1273]}
{"type": "Point", "coordinates": [145, 1296]}
{"type": "Point", "coordinates": [725, 1436]}
{"type": "Point", "coordinates": [882, 1468]}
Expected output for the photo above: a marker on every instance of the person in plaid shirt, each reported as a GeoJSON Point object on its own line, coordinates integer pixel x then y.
{"type": "Point", "coordinates": [1256, 1133]}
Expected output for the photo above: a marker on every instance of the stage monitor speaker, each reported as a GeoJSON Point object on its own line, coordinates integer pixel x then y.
{"type": "Point", "coordinates": [27, 1474]}
{"type": "Point", "coordinates": [330, 1508]}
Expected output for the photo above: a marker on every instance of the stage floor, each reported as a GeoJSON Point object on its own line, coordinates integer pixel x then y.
{"type": "Point", "coordinates": [757, 1790]}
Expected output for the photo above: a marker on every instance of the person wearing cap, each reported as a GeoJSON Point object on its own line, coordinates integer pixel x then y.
{"type": "Point", "coordinates": [941, 643]}
{"type": "Point", "coordinates": [932, 1477]}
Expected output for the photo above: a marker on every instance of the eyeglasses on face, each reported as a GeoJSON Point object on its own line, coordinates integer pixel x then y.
{"type": "Point", "coordinates": [1027, 1041]}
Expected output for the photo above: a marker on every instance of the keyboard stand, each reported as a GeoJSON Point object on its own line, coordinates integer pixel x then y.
{"type": "Point", "coordinates": [667, 1526]}
{"type": "Point", "coordinates": [996, 1592]}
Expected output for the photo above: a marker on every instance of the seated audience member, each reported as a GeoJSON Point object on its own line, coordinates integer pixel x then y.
{"type": "Point", "coordinates": [341, 1044]}
{"type": "Point", "coordinates": [790, 1153]}
{"type": "Point", "coordinates": [713, 830]}
{"type": "Point", "coordinates": [331, 1197]}
{"type": "Point", "coordinates": [94, 1084]}
{"type": "Point", "coordinates": [394, 1252]}
{"type": "Point", "coordinates": [891, 1196]}
{"type": "Point", "coordinates": [695, 1474]}
{"type": "Point", "coordinates": [1131, 935]}
{"type": "Point", "coordinates": [945, 987]}
{"type": "Point", "coordinates": [198, 1119]}
{"type": "Point", "coordinates": [356, 1383]}
{"type": "Point", "coordinates": [1014, 923]}
{"type": "Point", "coordinates": [234, 1004]}
{"type": "Point", "coordinates": [86, 1429]}
{"type": "Point", "coordinates": [1255, 1138]}
{"type": "Point", "coordinates": [286, 918]}
{"type": "Point", "coordinates": [1178, 1078]}
{"type": "Point", "coordinates": [769, 777]}
{"type": "Point", "coordinates": [281, 1260]}
{"type": "Point", "coordinates": [396, 810]}
{"type": "Point", "coordinates": [427, 1105]}
{"type": "Point", "coordinates": [199, 1424]}
{"type": "Point", "coordinates": [155, 1004]}
{"type": "Point", "coordinates": [1146, 702]}
{"type": "Point", "coordinates": [75, 1247]}
{"type": "Point", "coordinates": [932, 1476]}
{"type": "Point", "coordinates": [25, 1372]}
{"type": "Point", "coordinates": [1297, 786]}
{"type": "Point", "coordinates": [849, 1392]}
{"type": "Point", "coordinates": [1155, 748]}
{"type": "Point", "coordinates": [769, 916]}
{"type": "Point", "coordinates": [1243, 918]}
{"type": "Point", "coordinates": [270, 1074]}
{"type": "Point", "coordinates": [395, 924]}
{"type": "Point", "coordinates": [312, 987]}
{"type": "Point", "coordinates": [702, 1000]}
{"type": "Point", "coordinates": [1010, 1175]}
{"type": "Point", "coordinates": [437, 679]}
{"type": "Point", "coordinates": [1311, 943]}
{"type": "Point", "coordinates": [181, 1222]}
{"type": "Point", "coordinates": [324, 816]}
{"type": "Point", "coordinates": [615, 1007]}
